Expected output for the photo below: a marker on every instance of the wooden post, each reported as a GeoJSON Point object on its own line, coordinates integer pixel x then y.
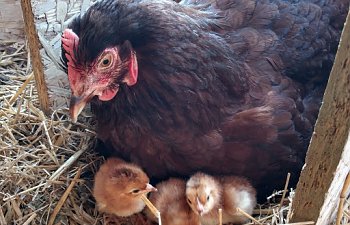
{"type": "Point", "coordinates": [35, 55]}
{"type": "Point", "coordinates": [328, 158]}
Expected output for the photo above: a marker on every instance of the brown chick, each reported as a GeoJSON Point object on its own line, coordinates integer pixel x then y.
{"type": "Point", "coordinates": [170, 200]}
{"type": "Point", "coordinates": [119, 186]}
{"type": "Point", "coordinates": [207, 194]}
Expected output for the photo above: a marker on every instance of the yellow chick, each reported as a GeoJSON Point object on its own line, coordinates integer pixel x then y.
{"type": "Point", "coordinates": [207, 194]}
{"type": "Point", "coordinates": [170, 200]}
{"type": "Point", "coordinates": [118, 188]}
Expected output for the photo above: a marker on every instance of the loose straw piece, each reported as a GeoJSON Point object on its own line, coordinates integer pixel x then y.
{"type": "Point", "coordinates": [64, 197]}
{"type": "Point", "coordinates": [60, 140]}
{"type": "Point", "coordinates": [153, 209]}
{"type": "Point", "coordinates": [16, 208]}
{"type": "Point", "coordinates": [264, 219]}
{"type": "Point", "coordinates": [299, 223]}
{"type": "Point", "coordinates": [220, 216]}
{"type": "Point", "coordinates": [67, 164]}
{"type": "Point", "coordinates": [342, 199]}
{"type": "Point", "coordinates": [284, 191]}
{"type": "Point", "coordinates": [248, 216]}
{"type": "Point", "coordinates": [30, 219]}
{"type": "Point", "coordinates": [48, 138]}
{"type": "Point", "coordinates": [2, 217]}
{"type": "Point", "coordinates": [262, 211]}
{"type": "Point", "coordinates": [23, 192]}
{"type": "Point", "coordinates": [21, 89]}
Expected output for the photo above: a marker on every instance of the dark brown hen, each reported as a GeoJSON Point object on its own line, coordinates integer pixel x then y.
{"type": "Point", "coordinates": [225, 87]}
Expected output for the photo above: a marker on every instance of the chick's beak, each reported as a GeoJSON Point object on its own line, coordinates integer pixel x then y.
{"type": "Point", "coordinates": [77, 104]}
{"type": "Point", "coordinates": [149, 188]}
{"type": "Point", "coordinates": [200, 207]}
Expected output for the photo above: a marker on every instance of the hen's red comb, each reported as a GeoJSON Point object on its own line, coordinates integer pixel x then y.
{"type": "Point", "coordinates": [70, 43]}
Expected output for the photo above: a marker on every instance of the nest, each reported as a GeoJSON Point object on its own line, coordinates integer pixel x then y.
{"type": "Point", "coordinates": [42, 176]}
{"type": "Point", "coordinates": [47, 163]}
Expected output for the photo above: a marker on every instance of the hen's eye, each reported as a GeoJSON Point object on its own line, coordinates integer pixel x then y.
{"type": "Point", "coordinates": [106, 61]}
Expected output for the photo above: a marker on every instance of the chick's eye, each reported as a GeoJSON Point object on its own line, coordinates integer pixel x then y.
{"type": "Point", "coordinates": [208, 198]}
{"type": "Point", "coordinates": [135, 191]}
{"type": "Point", "coordinates": [189, 201]}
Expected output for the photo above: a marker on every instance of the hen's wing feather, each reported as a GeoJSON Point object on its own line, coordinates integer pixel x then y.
{"type": "Point", "coordinates": [305, 29]}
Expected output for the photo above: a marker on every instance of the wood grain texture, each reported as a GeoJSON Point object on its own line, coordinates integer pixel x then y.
{"type": "Point", "coordinates": [11, 21]}
{"type": "Point", "coordinates": [328, 157]}
{"type": "Point", "coordinates": [34, 48]}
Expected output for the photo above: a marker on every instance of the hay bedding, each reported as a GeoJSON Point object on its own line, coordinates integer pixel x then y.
{"type": "Point", "coordinates": [39, 154]}
{"type": "Point", "coordinates": [47, 163]}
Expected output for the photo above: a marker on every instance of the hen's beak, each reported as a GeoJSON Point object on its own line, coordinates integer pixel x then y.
{"type": "Point", "coordinates": [77, 104]}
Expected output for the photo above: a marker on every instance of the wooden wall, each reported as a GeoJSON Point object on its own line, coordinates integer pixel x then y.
{"type": "Point", "coordinates": [328, 158]}
{"type": "Point", "coordinates": [11, 21]}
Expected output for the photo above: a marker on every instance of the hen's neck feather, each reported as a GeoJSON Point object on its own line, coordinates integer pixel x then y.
{"type": "Point", "coordinates": [183, 68]}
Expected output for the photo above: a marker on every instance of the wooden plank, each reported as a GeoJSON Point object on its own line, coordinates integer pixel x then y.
{"type": "Point", "coordinates": [343, 196]}
{"type": "Point", "coordinates": [332, 197]}
{"type": "Point", "coordinates": [328, 158]}
{"type": "Point", "coordinates": [11, 21]}
{"type": "Point", "coordinates": [34, 48]}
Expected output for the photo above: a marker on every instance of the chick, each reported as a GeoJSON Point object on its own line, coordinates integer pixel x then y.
{"type": "Point", "coordinates": [118, 188]}
{"type": "Point", "coordinates": [207, 194]}
{"type": "Point", "coordinates": [170, 200]}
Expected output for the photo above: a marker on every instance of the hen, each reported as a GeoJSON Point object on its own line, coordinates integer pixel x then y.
{"type": "Point", "coordinates": [221, 86]}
